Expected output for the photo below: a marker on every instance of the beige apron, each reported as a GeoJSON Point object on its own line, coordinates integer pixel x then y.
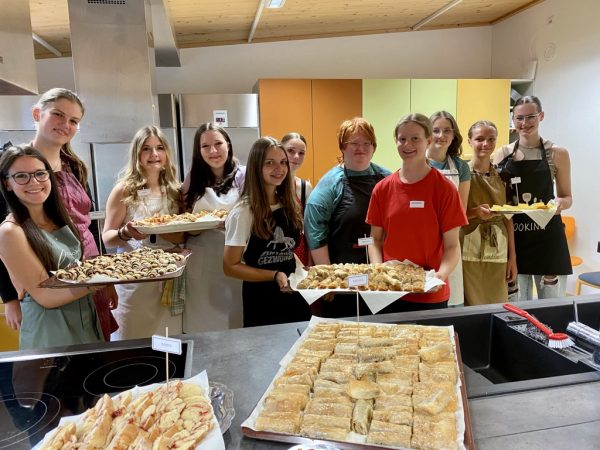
{"type": "Point", "coordinates": [485, 243]}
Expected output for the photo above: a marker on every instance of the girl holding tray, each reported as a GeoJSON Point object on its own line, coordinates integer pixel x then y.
{"type": "Point", "coordinates": [415, 214]}
{"type": "Point", "coordinates": [262, 231]}
{"type": "Point", "coordinates": [488, 242]}
{"type": "Point", "coordinates": [542, 253]}
{"type": "Point", "coordinates": [148, 186]}
{"type": "Point", "coordinates": [37, 237]}
{"type": "Point", "coordinates": [212, 300]}
{"type": "Point", "coordinates": [57, 115]}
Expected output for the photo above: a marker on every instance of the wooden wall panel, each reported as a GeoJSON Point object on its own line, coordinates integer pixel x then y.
{"type": "Point", "coordinates": [286, 105]}
{"type": "Point", "coordinates": [333, 102]}
{"type": "Point", "coordinates": [384, 103]}
{"type": "Point", "coordinates": [483, 100]}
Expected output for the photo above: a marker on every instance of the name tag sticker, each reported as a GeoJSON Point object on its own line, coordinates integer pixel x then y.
{"type": "Point", "coordinates": [358, 280]}
{"type": "Point", "coordinates": [515, 180]}
{"type": "Point", "coordinates": [365, 241]}
{"type": "Point", "coordinates": [417, 204]}
{"type": "Point", "coordinates": [165, 344]}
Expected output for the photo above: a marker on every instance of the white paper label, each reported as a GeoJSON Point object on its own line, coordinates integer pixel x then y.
{"type": "Point", "coordinates": [365, 241]}
{"type": "Point", "coordinates": [165, 344]}
{"type": "Point", "coordinates": [220, 117]}
{"type": "Point", "coordinates": [515, 180]}
{"type": "Point", "coordinates": [358, 280]}
{"type": "Point", "coordinates": [417, 204]}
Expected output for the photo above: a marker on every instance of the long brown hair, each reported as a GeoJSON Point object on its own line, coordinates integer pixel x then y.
{"type": "Point", "coordinates": [66, 152]}
{"type": "Point", "coordinates": [53, 206]}
{"type": "Point", "coordinates": [263, 224]}
{"type": "Point", "coordinates": [455, 147]}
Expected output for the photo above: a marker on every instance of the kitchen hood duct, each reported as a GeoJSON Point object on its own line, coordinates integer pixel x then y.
{"type": "Point", "coordinates": [165, 47]}
{"type": "Point", "coordinates": [113, 62]}
{"type": "Point", "coordinates": [18, 73]}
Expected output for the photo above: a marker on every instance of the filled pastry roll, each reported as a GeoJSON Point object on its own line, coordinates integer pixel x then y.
{"type": "Point", "coordinates": [321, 432]}
{"type": "Point", "coordinates": [318, 344]}
{"type": "Point", "coordinates": [392, 401]}
{"type": "Point", "coordinates": [439, 372]}
{"type": "Point", "coordinates": [398, 439]}
{"type": "Point", "coordinates": [301, 378]}
{"type": "Point", "coordinates": [279, 423]}
{"type": "Point", "coordinates": [400, 415]}
{"type": "Point", "coordinates": [438, 352]}
{"type": "Point", "coordinates": [314, 420]}
{"type": "Point", "coordinates": [287, 402]}
{"type": "Point", "coordinates": [375, 354]}
{"type": "Point", "coordinates": [361, 416]}
{"type": "Point", "coordinates": [362, 389]}
{"type": "Point", "coordinates": [329, 409]}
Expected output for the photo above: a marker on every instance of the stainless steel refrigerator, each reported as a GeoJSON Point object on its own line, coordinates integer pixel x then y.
{"type": "Point", "coordinates": [237, 112]}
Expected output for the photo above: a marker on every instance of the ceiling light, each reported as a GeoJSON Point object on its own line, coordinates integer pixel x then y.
{"type": "Point", "coordinates": [275, 3]}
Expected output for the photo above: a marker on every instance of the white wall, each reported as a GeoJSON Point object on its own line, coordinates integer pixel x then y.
{"type": "Point", "coordinates": [563, 37]}
{"type": "Point", "coordinates": [232, 69]}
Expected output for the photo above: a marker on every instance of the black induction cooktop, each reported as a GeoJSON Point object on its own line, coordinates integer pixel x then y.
{"type": "Point", "coordinates": [36, 391]}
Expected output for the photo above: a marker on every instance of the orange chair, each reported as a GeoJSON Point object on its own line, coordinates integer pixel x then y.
{"type": "Point", "coordinates": [569, 223]}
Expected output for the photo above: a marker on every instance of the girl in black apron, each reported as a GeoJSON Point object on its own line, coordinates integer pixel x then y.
{"type": "Point", "coordinates": [262, 231]}
{"type": "Point", "coordinates": [542, 253]}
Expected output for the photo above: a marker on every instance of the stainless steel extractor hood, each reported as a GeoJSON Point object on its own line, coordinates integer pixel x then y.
{"type": "Point", "coordinates": [113, 63]}
{"type": "Point", "coordinates": [18, 73]}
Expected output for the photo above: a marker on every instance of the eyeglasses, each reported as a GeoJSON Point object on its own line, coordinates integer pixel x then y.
{"type": "Point", "coordinates": [24, 177]}
{"type": "Point", "coordinates": [530, 118]}
{"type": "Point", "coordinates": [355, 145]}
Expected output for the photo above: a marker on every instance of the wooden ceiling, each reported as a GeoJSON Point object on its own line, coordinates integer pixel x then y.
{"type": "Point", "coordinates": [200, 23]}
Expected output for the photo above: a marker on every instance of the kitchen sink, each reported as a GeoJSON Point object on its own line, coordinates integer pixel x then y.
{"type": "Point", "coordinates": [502, 352]}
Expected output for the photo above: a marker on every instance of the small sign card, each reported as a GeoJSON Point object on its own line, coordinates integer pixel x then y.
{"type": "Point", "coordinates": [515, 180]}
{"type": "Point", "coordinates": [358, 280]}
{"type": "Point", "coordinates": [166, 344]}
{"type": "Point", "coordinates": [365, 241]}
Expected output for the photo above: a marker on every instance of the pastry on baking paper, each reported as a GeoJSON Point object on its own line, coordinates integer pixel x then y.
{"type": "Point", "coordinates": [321, 432]}
{"type": "Point", "coordinates": [396, 387]}
{"type": "Point", "coordinates": [438, 352]}
{"type": "Point", "coordinates": [407, 362]}
{"type": "Point", "coordinates": [315, 420]}
{"type": "Point", "coordinates": [302, 378]}
{"type": "Point", "coordinates": [279, 423]}
{"type": "Point", "coordinates": [329, 409]}
{"type": "Point", "coordinates": [434, 398]}
{"type": "Point", "coordinates": [318, 344]}
{"type": "Point", "coordinates": [400, 415]}
{"type": "Point", "coordinates": [294, 388]}
{"type": "Point", "coordinates": [438, 372]}
{"type": "Point", "coordinates": [62, 437]}
{"type": "Point", "coordinates": [406, 347]}
{"type": "Point", "coordinates": [398, 374]}
{"type": "Point", "coordinates": [378, 425]}
{"type": "Point", "coordinates": [361, 416]}
{"type": "Point", "coordinates": [337, 377]}
{"type": "Point", "coordinates": [375, 354]}
{"type": "Point", "coordinates": [373, 368]}
{"type": "Point", "coordinates": [362, 389]}
{"type": "Point", "coordinates": [301, 369]}
{"type": "Point", "coordinates": [434, 432]}
{"type": "Point", "coordinates": [391, 401]}
{"type": "Point", "coordinates": [321, 354]}
{"type": "Point", "coordinates": [285, 402]}
{"type": "Point", "coordinates": [395, 439]}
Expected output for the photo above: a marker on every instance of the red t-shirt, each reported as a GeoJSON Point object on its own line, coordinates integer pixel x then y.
{"type": "Point", "coordinates": [414, 218]}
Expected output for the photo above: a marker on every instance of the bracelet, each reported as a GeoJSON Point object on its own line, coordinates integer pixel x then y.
{"type": "Point", "coordinates": [275, 276]}
{"type": "Point", "coordinates": [122, 235]}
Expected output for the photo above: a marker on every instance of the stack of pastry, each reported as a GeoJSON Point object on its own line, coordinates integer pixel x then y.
{"type": "Point", "coordinates": [387, 385]}
{"type": "Point", "coordinates": [382, 277]}
{"type": "Point", "coordinates": [177, 415]}
{"type": "Point", "coordinates": [181, 218]}
{"type": "Point", "coordinates": [135, 265]}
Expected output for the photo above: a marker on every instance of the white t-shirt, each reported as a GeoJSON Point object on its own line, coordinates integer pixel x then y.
{"type": "Point", "coordinates": [238, 225]}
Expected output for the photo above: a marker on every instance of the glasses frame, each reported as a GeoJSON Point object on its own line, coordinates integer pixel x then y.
{"type": "Point", "coordinates": [528, 118]}
{"type": "Point", "coordinates": [30, 175]}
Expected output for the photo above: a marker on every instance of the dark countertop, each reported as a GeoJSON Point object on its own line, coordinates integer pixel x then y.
{"type": "Point", "coordinates": [562, 417]}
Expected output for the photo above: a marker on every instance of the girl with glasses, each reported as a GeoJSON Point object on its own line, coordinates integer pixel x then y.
{"type": "Point", "coordinates": [261, 233]}
{"type": "Point", "coordinates": [57, 115]}
{"type": "Point", "coordinates": [444, 154]}
{"type": "Point", "coordinates": [37, 237]}
{"type": "Point", "coordinates": [148, 187]}
{"type": "Point", "coordinates": [544, 169]}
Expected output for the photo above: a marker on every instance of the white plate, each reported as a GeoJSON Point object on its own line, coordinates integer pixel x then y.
{"type": "Point", "coordinates": [176, 227]}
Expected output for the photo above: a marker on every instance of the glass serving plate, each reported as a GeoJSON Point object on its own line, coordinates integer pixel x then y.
{"type": "Point", "coordinates": [221, 398]}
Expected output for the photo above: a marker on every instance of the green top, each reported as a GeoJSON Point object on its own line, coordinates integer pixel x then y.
{"type": "Point", "coordinates": [70, 324]}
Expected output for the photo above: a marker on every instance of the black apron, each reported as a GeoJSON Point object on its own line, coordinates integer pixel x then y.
{"type": "Point", "coordinates": [539, 251]}
{"type": "Point", "coordinates": [346, 225]}
{"type": "Point", "coordinates": [347, 222]}
{"type": "Point", "coordinates": [264, 303]}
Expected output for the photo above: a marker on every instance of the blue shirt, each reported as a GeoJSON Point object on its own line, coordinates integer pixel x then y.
{"type": "Point", "coordinates": [325, 198]}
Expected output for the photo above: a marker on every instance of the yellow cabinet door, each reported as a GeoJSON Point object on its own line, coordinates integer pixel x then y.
{"type": "Point", "coordinates": [483, 100]}
{"type": "Point", "coordinates": [384, 103]}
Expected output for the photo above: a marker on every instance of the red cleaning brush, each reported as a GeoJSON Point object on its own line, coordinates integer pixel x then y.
{"type": "Point", "coordinates": [555, 340]}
